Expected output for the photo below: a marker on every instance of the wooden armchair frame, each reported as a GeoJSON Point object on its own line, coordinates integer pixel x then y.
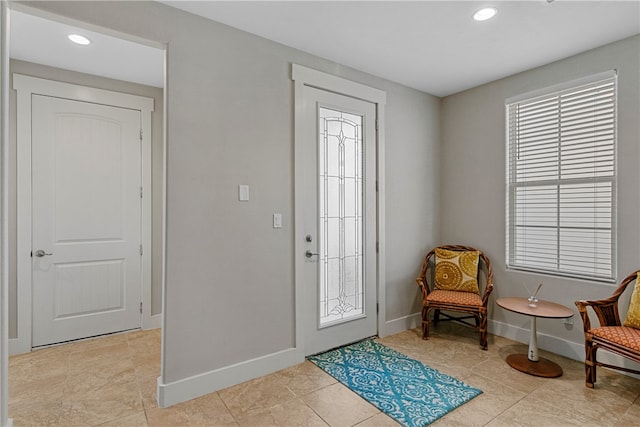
{"type": "Point", "coordinates": [477, 311]}
{"type": "Point", "coordinates": [607, 312]}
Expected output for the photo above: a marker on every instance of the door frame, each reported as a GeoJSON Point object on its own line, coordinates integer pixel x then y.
{"type": "Point", "coordinates": [303, 76]}
{"type": "Point", "coordinates": [26, 87]}
{"type": "Point", "coordinates": [4, 215]}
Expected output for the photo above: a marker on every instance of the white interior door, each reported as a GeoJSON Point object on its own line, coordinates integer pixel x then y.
{"type": "Point", "coordinates": [86, 180]}
{"type": "Point", "coordinates": [339, 220]}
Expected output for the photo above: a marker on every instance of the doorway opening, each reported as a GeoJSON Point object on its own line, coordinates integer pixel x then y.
{"type": "Point", "coordinates": [129, 78]}
{"type": "Point", "coordinates": [29, 29]}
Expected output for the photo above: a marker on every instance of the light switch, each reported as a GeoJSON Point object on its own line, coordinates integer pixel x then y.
{"type": "Point", "coordinates": [243, 193]}
{"type": "Point", "coordinates": [277, 220]}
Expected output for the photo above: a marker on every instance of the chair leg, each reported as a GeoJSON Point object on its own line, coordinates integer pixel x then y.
{"type": "Point", "coordinates": [425, 323]}
{"type": "Point", "coordinates": [482, 319]}
{"type": "Point", "coordinates": [436, 317]}
{"type": "Point", "coordinates": [590, 364]}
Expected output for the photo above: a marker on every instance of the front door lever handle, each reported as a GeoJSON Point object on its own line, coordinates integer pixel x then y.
{"type": "Point", "coordinates": [40, 253]}
{"type": "Point", "coordinates": [309, 254]}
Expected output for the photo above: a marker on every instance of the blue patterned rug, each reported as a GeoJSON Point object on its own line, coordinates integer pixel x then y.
{"type": "Point", "coordinates": [410, 392]}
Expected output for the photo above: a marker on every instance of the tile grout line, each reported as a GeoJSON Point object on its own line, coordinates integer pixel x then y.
{"type": "Point", "coordinates": [64, 387]}
{"type": "Point", "coordinates": [135, 374]}
{"type": "Point", "coordinates": [227, 407]}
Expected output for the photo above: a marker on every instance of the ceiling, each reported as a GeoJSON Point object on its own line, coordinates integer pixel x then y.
{"type": "Point", "coordinates": [433, 46]}
{"type": "Point", "coordinates": [42, 41]}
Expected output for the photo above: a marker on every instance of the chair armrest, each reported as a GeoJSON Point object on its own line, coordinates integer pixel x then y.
{"type": "Point", "coordinates": [487, 291]}
{"type": "Point", "coordinates": [489, 286]}
{"type": "Point", "coordinates": [582, 310]}
{"type": "Point", "coordinates": [606, 309]}
{"type": "Point", "coordinates": [422, 278]}
{"type": "Point", "coordinates": [424, 287]}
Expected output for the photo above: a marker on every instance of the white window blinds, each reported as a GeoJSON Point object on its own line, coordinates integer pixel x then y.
{"type": "Point", "coordinates": [561, 177]}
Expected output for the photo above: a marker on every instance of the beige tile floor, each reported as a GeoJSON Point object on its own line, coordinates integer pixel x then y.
{"type": "Point", "coordinates": [110, 381]}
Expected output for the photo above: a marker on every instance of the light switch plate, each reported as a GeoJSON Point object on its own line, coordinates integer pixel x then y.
{"type": "Point", "coordinates": [277, 220]}
{"type": "Point", "coordinates": [243, 193]}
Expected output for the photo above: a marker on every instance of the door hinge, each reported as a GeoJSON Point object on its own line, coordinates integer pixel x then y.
{"type": "Point", "coordinates": [141, 307]}
{"type": "Point", "coordinates": [141, 192]}
{"type": "Point", "coordinates": [377, 247]}
{"type": "Point", "coordinates": [377, 307]}
{"type": "Point", "coordinates": [140, 134]}
{"type": "Point", "coordinates": [376, 186]}
{"type": "Point", "coordinates": [141, 250]}
{"type": "Point", "coordinates": [377, 124]}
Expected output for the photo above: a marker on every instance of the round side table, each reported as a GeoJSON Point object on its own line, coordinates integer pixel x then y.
{"type": "Point", "coordinates": [531, 363]}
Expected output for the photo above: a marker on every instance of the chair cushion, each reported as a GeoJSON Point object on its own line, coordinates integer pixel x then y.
{"type": "Point", "coordinates": [622, 335]}
{"type": "Point", "coordinates": [633, 315]}
{"type": "Point", "coordinates": [454, 297]}
{"type": "Point", "coordinates": [457, 270]}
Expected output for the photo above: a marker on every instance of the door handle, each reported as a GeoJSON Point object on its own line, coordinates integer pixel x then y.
{"type": "Point", "coordinates": [40, 253]}
{"type": "Point", "coordinates": [309, 254]}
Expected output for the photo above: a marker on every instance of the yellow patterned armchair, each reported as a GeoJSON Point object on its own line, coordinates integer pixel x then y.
{"type": "Point", "coordinates": [611, 334]}
{"type": "Point", "coordinates": [451, 280]}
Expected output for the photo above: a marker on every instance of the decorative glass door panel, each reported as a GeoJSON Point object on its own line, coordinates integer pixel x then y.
{"type": "Point", "coordinates": [341, 261]}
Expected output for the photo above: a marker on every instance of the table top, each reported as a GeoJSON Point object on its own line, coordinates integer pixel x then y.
{"type": "Point", "coordinates": [542, 308]}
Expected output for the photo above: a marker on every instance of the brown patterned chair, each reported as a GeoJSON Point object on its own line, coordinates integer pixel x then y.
{"type": "Point", "coordinates": [610, 335]}
{"type": "Point", "coordinates": [438, 300]}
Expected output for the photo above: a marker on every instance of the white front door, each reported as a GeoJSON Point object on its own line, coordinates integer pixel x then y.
{"type": "Point", "coordinates": [86, 229]}
{"type": "Point", "coordinates": [339, 170]}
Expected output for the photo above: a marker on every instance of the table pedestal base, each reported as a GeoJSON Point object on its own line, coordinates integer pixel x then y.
{"type": "Point", "coordinates": [542, 368]}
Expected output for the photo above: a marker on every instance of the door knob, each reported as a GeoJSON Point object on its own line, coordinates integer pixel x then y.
{"type": "Point", "coordinates": [40, 253]}
{"type": "Point", "coordinates": [309, 254]}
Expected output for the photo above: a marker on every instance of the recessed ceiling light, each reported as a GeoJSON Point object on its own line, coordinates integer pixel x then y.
{"type": "Point", "coordinates": [484, 14]}
{"type": "Point", "coordinates": [77, 38]}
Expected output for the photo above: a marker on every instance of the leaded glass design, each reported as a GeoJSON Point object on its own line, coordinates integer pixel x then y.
{"type": "Point", "coordinates": [341, 217]}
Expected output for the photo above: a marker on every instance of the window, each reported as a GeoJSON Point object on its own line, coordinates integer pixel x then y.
{"type": "Point", "coordinates": [561, 175]}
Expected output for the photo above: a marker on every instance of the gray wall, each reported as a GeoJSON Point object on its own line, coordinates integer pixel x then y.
{"type": "Point", "coordinates": [36, 70]}
{"type": "Point", "coordinates": [229, 274]}
{"type": "Point", "coordinates": [412, 190]}
{"type": "Point", "coordinates": [472, 203]}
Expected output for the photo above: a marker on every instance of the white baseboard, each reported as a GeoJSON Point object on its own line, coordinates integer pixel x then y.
{"type": "Point", "coordinates": [198, 385]}
{"type": "Point", "coordinates": [550, 343]}
{"type": "Point", "coordinates": [556, 345]}
{"type": "Point", "coordinates": [9, 422]}
{"type": "Point", "coordinates": [17, 346]}
{"type": "Point", "coordinates": [562, 347]}
{"type": "Point", "coordinates": [401, 324]}
{"type": "Point", "coordinates": [569, 349]}
{"type": "Point", "coordinates": [208, 382]}
{"type": "Point", "coordinates": [154, 322]}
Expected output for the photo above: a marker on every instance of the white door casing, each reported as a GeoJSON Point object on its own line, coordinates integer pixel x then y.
{"type": "Point", "coordinates": [339, 218]}
{"type": "Point", "coordinates": [4, 215]}
{"type": "Point", "coordinates": [315, 90]}
{"type": "Point", "coordinates": [35, 98]}
{"type": "Point", "coordinates": [86, 180]}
